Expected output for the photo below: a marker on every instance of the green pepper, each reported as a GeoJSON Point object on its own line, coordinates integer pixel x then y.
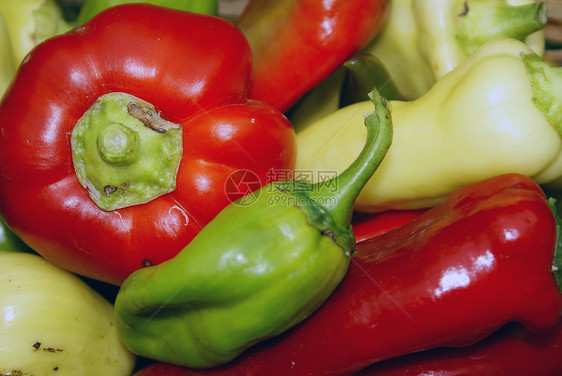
{"type": "Point", "coordinates": [265, 263]}
{"type": "Point", "coordinates": [92, 7]}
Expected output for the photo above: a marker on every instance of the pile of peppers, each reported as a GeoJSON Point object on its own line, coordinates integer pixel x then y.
{"type": "Point", "coordinates": [312, 188]}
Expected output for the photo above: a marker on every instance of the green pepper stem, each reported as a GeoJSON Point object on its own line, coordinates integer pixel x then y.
{"type": "Point", "coordinates": [124, 153]}
{"type": "Point", "coordinates": [485, 20]}
{"type": "Point", "coordinates": [557, 261]}
{"type": "Point", "coordinates": [118, 144]}
{"type": "Point", "coordinates": [546, 81]}
{"type": "Point", "coordinates": [351, 181]}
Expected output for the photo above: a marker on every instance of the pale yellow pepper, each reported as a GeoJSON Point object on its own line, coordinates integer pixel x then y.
{"type": "Point", "coordinates": [24, 24]}
{"type": "Point", "coordinates": [30, 22]}
{"type": "Point", "coordinates": [425, 39]}
{"type": "Point", "coordinates": [53, 323]}
{"type": "Point", "coordinates": [496, 112]}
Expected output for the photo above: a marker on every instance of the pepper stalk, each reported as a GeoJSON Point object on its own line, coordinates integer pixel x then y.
{"type": "Point", "coordinates": [124, 152]}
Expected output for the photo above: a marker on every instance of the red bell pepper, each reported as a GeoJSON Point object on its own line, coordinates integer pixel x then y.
{"type": "Point", "coordinates": [194, 72]}
{"type": "Point", "coordinates": [450, 277]}
{"type": "Point", "coordinates": [297, 43]}
{"type": "Point", "coordinates": [512, 351]}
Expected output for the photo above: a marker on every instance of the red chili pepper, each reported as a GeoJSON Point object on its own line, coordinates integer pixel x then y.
{"type": "Point", "coordinates": [450, 277]}
{"type": "Point", "coordinates": [195, 70]}
{"type": "Point", "coordinates": [298, 43]}
{"type": "Point", "coordinates": [512, 351]}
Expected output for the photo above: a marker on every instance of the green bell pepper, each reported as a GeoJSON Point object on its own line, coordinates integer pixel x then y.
{"type": "Point", "coordinates": [265, 263]}
{"type": "Point", "coordinates": [92, 7]}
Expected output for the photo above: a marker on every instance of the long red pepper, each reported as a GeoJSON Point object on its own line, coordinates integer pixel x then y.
{"type": "Point", "coordinates": [512, 351]}
{"type": "Point", "coordinates": [298, 43]}
{"type": "Point", "coordinates": [450, 277]}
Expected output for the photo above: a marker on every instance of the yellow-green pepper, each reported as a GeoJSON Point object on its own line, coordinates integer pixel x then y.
{"type": "Point", "coordinates": [425, 39]}
{"type": "Point", "coordinates": [264, 264]}
{"type": "Point", "coordinates": [30, 22]}
{"type": "Point", "coordinates": [53, 323]}
{"type": "Point", "coordinates": [496, 112]}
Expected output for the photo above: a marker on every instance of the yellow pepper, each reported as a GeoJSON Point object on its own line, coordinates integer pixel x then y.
{"type": "Point", "coordinates": [53, 323]}
{"type": "Point", "coordinates": [498, 111]}
{"type": "Point", "coordinates": [425, 39]}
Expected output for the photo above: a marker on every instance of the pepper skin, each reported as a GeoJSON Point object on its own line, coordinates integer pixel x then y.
{"type": "Point", "coordinates": [366, 226]}
{"type": "Point", "coordinates": [9, 241]}
{"type": "Point", "coordinates": [496, 112]}
{"type": "Point", "coordinates": [450, 277]}
{"type": "Point", "coordinates": [53, 323]}
{"type": "Point", "coordinates": [297, 43]}
{"type": "Point", "coordinates": [425, 39]}
{"type": "Point", "coordinates": [201, 86]}
{"type": "Point", "coordinates": [512, 351]}
{"type": "Point", "coordinates": [256, 270]}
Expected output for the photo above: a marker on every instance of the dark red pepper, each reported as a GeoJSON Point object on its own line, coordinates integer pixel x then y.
{"type": "Point", "coordinates": [451, 277]}
{"type": "Point", "coordinates": [512, 351]}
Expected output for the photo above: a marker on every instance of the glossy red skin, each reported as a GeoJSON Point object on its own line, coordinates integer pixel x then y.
{"type": "Point", "coordinates": [195, 69]}
{"type": "Point", "coordinates": [512, 351]}
{"type": "Point", "coordinates": [370, 225]}
{"type": "Point", "coordinates": [298, 43]}
{"type": "Point", "coordinates": [450, 277]}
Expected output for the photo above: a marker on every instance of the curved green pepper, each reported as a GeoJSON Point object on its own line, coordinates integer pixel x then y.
{"type": "Point", "coordinates": [255, 271]}
{"type": "Point", "coordinates": [92, 7]}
